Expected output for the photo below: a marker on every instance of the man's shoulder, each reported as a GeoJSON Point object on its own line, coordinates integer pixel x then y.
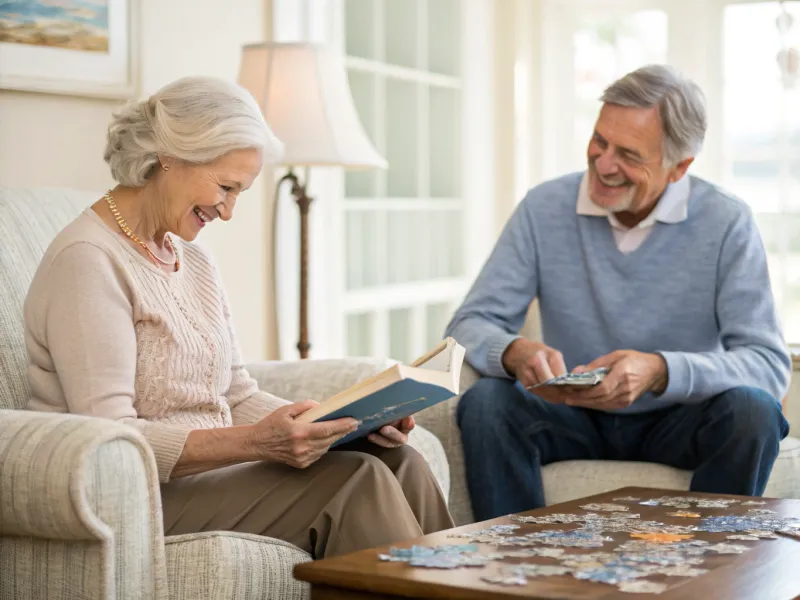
{"type": "Point", "coordinates": [713, 203]}
{"type": "Point", "coordinates": [554, 195]}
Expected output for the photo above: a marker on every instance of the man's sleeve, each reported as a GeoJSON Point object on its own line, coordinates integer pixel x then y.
{"type": "Point", "coordinates": [755, 353]}
{"type": "Point", "coordinates": [495, 307]}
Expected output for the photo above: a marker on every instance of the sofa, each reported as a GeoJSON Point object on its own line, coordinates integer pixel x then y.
{"type": "Point", "coordinates": [80, 508]}
{"type": "Point", "coordinates": [80, 513]}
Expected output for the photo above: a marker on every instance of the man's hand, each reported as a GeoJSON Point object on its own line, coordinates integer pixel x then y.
{"type": "Point", "coordinates": [532, 363]}
{"type": "Point", "coordinates": [631, 375]}
{"type": "Point", "coordinates": [393, 435]}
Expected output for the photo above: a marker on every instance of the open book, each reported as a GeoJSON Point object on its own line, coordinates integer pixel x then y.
{"type": "Point", "coordinates": [395, 393]}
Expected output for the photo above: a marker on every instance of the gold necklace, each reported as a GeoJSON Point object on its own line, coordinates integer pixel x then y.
{"type": "Point", "coordinates": [112, 206]}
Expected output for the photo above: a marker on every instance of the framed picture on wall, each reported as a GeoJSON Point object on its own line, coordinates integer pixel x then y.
{"type": "Point", "coordinates": [76, 47]}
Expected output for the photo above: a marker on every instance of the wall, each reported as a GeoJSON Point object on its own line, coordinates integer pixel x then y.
{"type": "Point", "coordinates": [53, 140]}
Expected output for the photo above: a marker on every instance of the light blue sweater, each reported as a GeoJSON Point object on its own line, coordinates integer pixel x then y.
{"type": "Point", "coordinates": [697, 292]}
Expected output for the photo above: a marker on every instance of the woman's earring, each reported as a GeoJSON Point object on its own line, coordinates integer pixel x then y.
{"type": "Point", "coordinates": [165, 167]}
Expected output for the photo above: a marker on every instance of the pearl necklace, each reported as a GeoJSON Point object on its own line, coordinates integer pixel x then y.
{"type": "Point", "coordinates": [112, 206]}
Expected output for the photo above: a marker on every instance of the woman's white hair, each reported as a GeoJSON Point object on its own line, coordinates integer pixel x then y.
{"type": "Point", "coordinates": [680, 102]}
{"type": "Point", "coordinates": [194, 119]}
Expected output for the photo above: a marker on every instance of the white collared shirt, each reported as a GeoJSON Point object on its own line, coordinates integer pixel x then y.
{"type": "Point", "coordinates": [672, 207]}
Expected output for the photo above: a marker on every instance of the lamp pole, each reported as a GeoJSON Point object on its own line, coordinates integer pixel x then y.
{"type": "Point", "coordinates": [303, 201]}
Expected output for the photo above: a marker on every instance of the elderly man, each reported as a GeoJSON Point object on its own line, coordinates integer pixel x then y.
{"type": "Point", "coordinates": [638, 267]}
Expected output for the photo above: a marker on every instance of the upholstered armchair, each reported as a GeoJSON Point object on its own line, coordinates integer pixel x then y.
{"type": "Point", "coordinates": [80, 508]}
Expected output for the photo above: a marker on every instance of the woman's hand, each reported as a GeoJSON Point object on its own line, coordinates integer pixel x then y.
{"type": "Point", "coordinates": [278, 437]}
{"type": "Point", "coordinates": [393, 435]}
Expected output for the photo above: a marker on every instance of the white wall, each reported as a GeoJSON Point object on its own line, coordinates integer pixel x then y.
{"type": "Point", "coordinates": [53, 140]}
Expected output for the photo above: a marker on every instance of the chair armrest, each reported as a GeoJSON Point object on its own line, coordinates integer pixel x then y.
{"type": "Point", "coordinates": [469, 376]}
{"type": "Point", "coordinates": [318, 380]}
{"type": "Point", "coordinates": [429, 446]}
{"type": "Point", "coordinates": [440, 420]}
{"type": "Point", "coordinates": [792, 408]}
{"type": "Point", "coordinates": [85, 481]}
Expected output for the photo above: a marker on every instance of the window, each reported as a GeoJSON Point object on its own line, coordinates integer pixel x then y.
{"type": "Point", "coordinates": [606, 48]}
{"type": "Point", "coordinates": [762, 142]}
{"type": "Point", "coordinates": [403, 227]}
{"type": "Point", "coordinates": [731, 49]}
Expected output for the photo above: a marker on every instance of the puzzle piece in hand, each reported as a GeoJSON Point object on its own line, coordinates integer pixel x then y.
{"type": "Point", "coordinates": [587, 379]}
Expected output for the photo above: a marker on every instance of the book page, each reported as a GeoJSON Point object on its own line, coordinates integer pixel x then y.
{"type": "Point", "coordinates": [440, 362]}
{"type": "Point", "coordinates": [439, 359]}
{"type": "Point", "coordinates": [444, 367]}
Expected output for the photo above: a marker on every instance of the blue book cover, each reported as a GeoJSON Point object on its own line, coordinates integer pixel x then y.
{"type": "Point", "coordinates": [395, 393]}
{"type": "Point", "coordinates": [392, 403]}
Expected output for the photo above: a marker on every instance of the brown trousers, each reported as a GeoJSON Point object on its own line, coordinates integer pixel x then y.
{"type": "Point", "coordinates": [358, 497]}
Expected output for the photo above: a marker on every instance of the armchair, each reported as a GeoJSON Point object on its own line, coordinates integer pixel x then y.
{"type": "Point", "coordinates": [80, 508]}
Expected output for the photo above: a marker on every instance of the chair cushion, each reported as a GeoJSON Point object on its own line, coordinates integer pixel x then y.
{"type": "Point", "coordinates": [572, 479]}
{"type": "Point", "coordinates": [31, 219]}
{"type": "Point", "coordinates": [233, 566]}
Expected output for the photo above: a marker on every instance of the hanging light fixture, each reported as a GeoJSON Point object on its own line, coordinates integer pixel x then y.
{"type": "Point", "coordinates": [788, 56]}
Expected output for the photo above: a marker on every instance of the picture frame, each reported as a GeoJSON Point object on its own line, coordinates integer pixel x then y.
{"type": "Point", "coordinates": [72, 47]}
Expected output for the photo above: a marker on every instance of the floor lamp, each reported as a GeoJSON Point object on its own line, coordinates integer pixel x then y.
{"type": "Point", "coordinates": [305, 97]}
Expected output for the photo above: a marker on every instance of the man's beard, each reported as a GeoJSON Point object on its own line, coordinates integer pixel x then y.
{"type": "Point", "coordinates": [628, 197]}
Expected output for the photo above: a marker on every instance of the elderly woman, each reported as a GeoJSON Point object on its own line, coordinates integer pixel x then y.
{"type": "Point", "coordinates": [127, 319]}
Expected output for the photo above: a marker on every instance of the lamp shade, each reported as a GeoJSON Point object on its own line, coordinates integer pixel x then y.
{"type": "Point", "coordinates": [303, 92]}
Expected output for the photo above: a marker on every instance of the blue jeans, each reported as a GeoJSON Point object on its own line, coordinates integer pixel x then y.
{"type": "Point", "coordinates": [729, 441]}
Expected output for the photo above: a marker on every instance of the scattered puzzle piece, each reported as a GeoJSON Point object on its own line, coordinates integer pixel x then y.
{"type": "Point", "coordinates": [642, 587]}
{"type": "Point", "coordinates": [684, 514]}
{"type": "Point", "coordinates": [661, 538]}
{"type": "Point", "coordinates": [605, 507]}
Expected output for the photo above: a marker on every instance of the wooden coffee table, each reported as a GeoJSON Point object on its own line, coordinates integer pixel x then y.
{"type": "Point", "coordinates": [770, 570]}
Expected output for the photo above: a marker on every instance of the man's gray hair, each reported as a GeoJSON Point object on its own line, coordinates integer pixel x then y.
{"type": "Point", "coordinates": [680, 102]}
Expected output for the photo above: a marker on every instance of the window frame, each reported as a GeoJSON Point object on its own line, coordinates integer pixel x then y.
{"type": "Point", "coordinates": [323, 21]}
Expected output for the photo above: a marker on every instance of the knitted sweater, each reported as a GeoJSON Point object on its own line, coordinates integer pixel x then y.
{"type": "Point", "coordinates": [697, 291]}
{"type": "Point", "coordinates": [110, 335]}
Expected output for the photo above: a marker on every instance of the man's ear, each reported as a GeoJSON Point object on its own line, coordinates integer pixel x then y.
{"type": "Point", "coordinates": [680, 169]}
